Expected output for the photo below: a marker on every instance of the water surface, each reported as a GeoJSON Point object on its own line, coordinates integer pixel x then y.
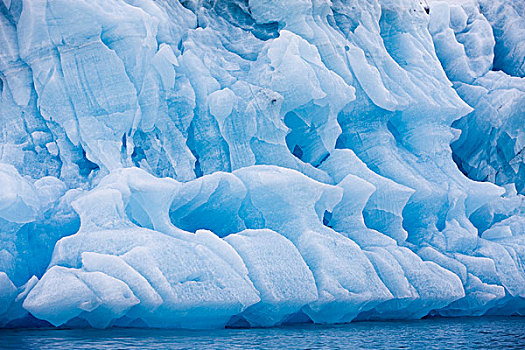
{"type": "Point", "coordinates": [435, 333]}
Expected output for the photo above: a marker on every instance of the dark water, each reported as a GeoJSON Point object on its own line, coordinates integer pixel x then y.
{"type": "Point", "coordinates": [476, 333]}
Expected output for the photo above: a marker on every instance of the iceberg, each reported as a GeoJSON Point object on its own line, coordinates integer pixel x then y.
{"type": "Point", "coordinates": [251, 163]}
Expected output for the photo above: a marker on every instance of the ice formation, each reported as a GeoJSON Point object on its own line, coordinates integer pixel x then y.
{"type": "Point", "coordinates": [211, 163]}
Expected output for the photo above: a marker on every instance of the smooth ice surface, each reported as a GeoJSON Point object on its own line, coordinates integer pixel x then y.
{"type": "Point", "coordinates": [202, 164]}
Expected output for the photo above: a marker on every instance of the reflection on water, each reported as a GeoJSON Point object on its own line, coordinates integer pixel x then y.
{"type": "Point", "coordinates": [438, 333]}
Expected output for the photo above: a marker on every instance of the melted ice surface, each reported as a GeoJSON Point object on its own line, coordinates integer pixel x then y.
{"type": "Point", "coordinates": [198, 163]}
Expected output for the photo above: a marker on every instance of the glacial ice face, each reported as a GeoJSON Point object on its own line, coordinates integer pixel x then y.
{"type": "Point", "coordinates": [477, 62]}
{"type": "Point", "coordinates": [198, 163]}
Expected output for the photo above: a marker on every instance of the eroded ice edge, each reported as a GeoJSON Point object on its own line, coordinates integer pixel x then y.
{"type": "Point", "coordinates": [199, 163]}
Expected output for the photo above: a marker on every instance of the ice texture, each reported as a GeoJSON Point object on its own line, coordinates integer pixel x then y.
{"type": "Point", "coordinates": [485, 67]}
{"type": "Point", "coordinates": [212, 163]}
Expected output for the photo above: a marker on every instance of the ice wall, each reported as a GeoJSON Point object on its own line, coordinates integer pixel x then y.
{"type": "Point", "coordinates": [485, 66]}
{"type": "Point", "coordinates": [204, 163]}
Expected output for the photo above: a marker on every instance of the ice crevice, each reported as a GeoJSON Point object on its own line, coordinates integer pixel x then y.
{"type": "Point", "coordinates": [202, 164]}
